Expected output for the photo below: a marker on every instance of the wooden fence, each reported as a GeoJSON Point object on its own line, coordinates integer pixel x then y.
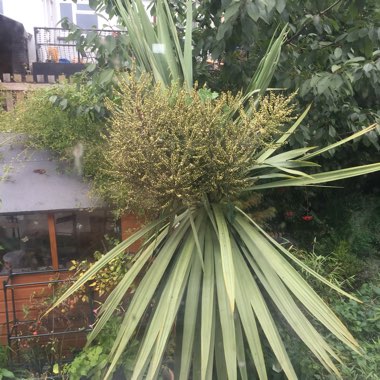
{"type": "Point", "coordinates": [14, 87]}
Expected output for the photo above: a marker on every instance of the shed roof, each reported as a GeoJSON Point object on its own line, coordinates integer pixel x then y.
{"type": "Point", "coordinates": [32, 180]}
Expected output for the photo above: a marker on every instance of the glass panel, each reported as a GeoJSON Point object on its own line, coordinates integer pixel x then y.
{"type": "Point", "coordinates": [81, 233]}
{"type": "Point", "coordinates": [24, 243]}
{"type": "Point", "coordinates": [83, 7]}
{"type": "Point", "coordinates": [87, 21]}
{"type": "Point", "coordinates": [66, 11]}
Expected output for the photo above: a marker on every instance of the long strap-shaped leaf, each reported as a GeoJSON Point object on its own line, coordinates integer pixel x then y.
{"type": "Point", "coordinates": [163, 319]}
{"type": "Point", "coordinates": [268, 152]}
{"type": "Point", "coordinates": [341, 142]}
{"type": "Point", "coordinates": [226, 315]}
{"type": "Point", "coordinates": [115, 297]}
{"type": "Point", "coordinates": [173, 64]}
{"type": "Point", "coordinates": [293, 315]}
{"type": "Point", "coordinates": [208, 305]}
{"type": "Point", "coordinates": [145, 292]}
{"type": "Point", "coordinates": [267, 66]}
{"type": "Point", "coordinates": [192, 305]}
{"type": "Point", "coordinates": [296, 260]}
{"type": "Point", "coordinates": [168, 306]}
{"type": "Point", "coordinates": [260, 308]}
{"type": "Point", "coordinates": [335, 175]}
{"type": "Point", "coordinates": [226, 255]}
{"type": "Point", "coordinates": [240, 350]}
{"type": "Point", "coordinates": [101, 263]}
{"type": "Point", "coordinates": [260, 247]}
{"type": "Point", "coordinates": [190, 318]}
{"type": "Point", "coordinates": [248, 321]}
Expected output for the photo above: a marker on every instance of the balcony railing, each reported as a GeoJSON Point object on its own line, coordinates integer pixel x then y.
{"type": "Point", "coordinates": [53, 46]}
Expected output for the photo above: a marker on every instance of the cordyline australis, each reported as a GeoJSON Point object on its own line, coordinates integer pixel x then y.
{"type": "Point", "coordinates": [193, 158]}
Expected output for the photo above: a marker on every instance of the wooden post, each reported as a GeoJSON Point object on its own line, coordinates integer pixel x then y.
{"type": "Point", "coordinates": [129, 225]}
{"type": "Point", "coordinates": [9, 101]}
{"type": "Point", "coordinates": [53, 242]}
{"type": "Point", "coordinates": [40, 79]}
{"type": "Point", "coordinates": [29, 78]}
{"type": "Point", "coordinates": [20, 95]}
{"type": "Point", "coordinates": [51, 79]}
{"type": "Point", "coordinates": [17, 78]}
{"type": "Point", "coordinates": [6, 77]}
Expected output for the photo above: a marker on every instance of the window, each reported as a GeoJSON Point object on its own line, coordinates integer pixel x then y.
{"type": "Point", "coordinates": [80, 14]}
{"type": "Point", "coordinates": [24, 242]}
{"type": "Point", "coordinates": [81, 233]}
{"type": "Point", "coordinates": [25, 239]}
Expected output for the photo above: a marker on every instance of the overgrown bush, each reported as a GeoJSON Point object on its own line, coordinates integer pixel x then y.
{"type": "Point", "coordinates": [158, 153]}
{"type": "Point", "coordinates": [364, 320]}
{"type": "Point", "coordinates": [89, 363]}
{"type": "Point", "coordinates": [50, 119]}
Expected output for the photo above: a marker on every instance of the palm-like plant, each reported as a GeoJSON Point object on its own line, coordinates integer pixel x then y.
{"type": "Point", "coordinates": [212, 261]}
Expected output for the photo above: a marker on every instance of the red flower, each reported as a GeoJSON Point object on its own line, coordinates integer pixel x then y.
{"type": "Point", "coordinates": [289, 214]}
{"type": "Point", "coordinates": [35, 332]}
{"type": "Point", "coordinates": [307, 218]}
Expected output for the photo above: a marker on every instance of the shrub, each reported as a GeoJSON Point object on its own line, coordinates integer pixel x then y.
{"type": "Point", "coordinates": [51, 122]}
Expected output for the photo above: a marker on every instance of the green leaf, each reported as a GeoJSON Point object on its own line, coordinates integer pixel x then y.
{"type": "Point", "coordinates": [101, 263]}
{"type": "Point", "coordinates": [91, 67]}
{"type": "Point", "coordinates": [191, 308]}
{"type": "Point", "coordinates": [240, 353]}
{"type": "Point", "coordinates": [144, 294]}
{"type": "Point", "coordinates": [248, 321]}
{"type": "Point", "coordinates": [338, 52]}
{"type": "Point", "coordinates": [226, 316]}
{"type": "Point", "coordinates": [267, 66]}
{"type": "Point", "coordinates": [106, 76]}
{"type": "Point", "coordinates": [335, 175]}
{"type": "Point", "coordinates": [226, 255]}
{"type": "Point", "coordinates": [56, 368]}
{"type": "Point", "coordinates": [264, 254]}
{"type": "Point", "coordinates": [269, 151]}
{"type": "Point", "coordinates": [6, 373]}
{"type": "Point", "coordinates": [114, 298]}
{"type": "Point", "coordinates": [335, 68]}
{"type": "Point", "coordinates": [260, 308]}
{"type": "Point", "coordinates": [208, 307]}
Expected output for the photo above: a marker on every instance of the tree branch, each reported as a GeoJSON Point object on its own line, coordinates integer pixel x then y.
{"type": "Point", "coordinates": [322, 13]}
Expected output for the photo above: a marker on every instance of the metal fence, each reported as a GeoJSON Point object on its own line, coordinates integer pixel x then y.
{"type": "Point", "coordinates": [52, 45]}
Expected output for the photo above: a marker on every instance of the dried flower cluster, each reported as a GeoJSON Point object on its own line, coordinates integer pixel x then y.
{"type": "Point", "coordinates": [169, 146]}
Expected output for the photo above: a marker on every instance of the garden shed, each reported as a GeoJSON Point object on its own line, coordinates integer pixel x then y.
{"type": "Point", "coordinates": [48, 217]}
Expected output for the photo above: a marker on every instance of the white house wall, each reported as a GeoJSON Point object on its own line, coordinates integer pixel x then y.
{"type": "Point", "coordinates": [44, 13]}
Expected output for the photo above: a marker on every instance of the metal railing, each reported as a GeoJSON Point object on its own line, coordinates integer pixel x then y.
{"type": "Point", "coordinates": [52, 45]}
{"type": "Point", "coordinates": [14, 331]}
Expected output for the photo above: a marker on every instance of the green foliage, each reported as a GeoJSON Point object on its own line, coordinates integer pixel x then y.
{"type": "Point", "coordinates": [90, 362]}
{"type": "Point", "coordinates": [108, 277]}
{"type": "Point", "coordinates": [160, 138]}
{"type": "Point", "coordinates": [207, 265]}
{"type": "Point", "coordinates": [340, 267]}
{"type": "Point", "coordinates": [364, 320]}
{"type": "Point", "coordinates": [52, 120]}
{"type": "Point", "coordinates": [332, 54]}
{"type": "Point", "coordinates": [153, 129]}
{"type": "Point", "coordinates": [6, 374]}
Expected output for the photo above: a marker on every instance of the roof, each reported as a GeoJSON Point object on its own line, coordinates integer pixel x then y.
{"type": "Point", "coordinates": [32, 180]}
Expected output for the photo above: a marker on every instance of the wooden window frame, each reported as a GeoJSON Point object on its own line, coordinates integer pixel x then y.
{"type": "Point", "coordinates": [53, 241]}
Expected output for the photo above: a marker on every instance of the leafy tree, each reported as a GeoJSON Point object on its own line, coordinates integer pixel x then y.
{"type": "Point", "coordinates": [193, 158]}
{"type": "Point", "coordinates": [331, 55]}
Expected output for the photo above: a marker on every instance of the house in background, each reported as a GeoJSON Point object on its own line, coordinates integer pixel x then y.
{"type": "Point", "coordinates": [46, 40]}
